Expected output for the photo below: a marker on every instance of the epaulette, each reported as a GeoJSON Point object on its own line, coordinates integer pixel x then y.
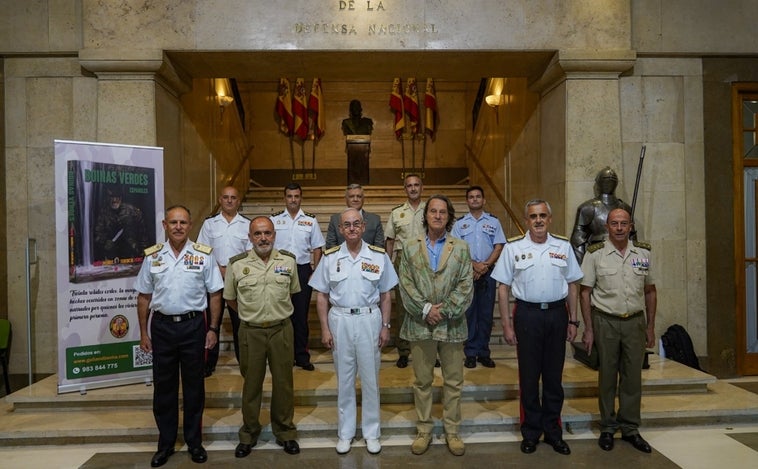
{"type": "Point", "coordinates": [643, 245]}
{"type": "Point", "coordinates": [287, 253]}
{"type": "Point", "coordinates": [243, 216]}
{"type": "Point", "coordinates": [394, 208]}
{"type": "Point", "coordinates": [202, 248]}
{"type": "Point", "coordinates": [332, 250]}
{"type": "Point", "coordinates": [516, 238]}
{"type": "Point", "coordinates": [460, 218]}
{"type": "Point", "coordinates": [153, 249]}
{"type": "Point", "coordinates": [595, 246]}
{"type": "Point", "coordinates": [277, 213]}
{"type": "Point", "coordinates": [309, 214]}
{"type": "Point", "coordinates": [211, 216]}
{"type": "Point", "coordinates": [559, 236]}
{"type": "Point", "coordinates": [238, 257]}
{"type": "Point", "coordinates": [376, 248]}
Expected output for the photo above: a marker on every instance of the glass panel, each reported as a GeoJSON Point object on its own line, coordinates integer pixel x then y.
{"type": "Point", "coordinates": [749, 110]}
{"type": "Point", "coordinates": [749, 147]}
{"type": "Point", "coordinates": [751, 271]}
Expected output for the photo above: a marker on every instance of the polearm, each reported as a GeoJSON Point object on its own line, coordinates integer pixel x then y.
{"type": "Point", "coordinates": [637, 182]}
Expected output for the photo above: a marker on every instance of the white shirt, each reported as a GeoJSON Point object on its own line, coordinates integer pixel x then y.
{"type": "Point", "coordinates": [226, 238]}
{"type": "Point", "coordinates": [300, 235]}
{"type": "Point", "coordinates": [537, 272]}
{"type": "Point", "coordinates": [354, 282]}
{"type": "Point", "coordinates": [179, 284]}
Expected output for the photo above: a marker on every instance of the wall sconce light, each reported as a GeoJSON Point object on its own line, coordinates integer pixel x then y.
{"type": "Point", "coordinates": [494, 101]}
{"type": "Point", "coordinates": [223, 102]}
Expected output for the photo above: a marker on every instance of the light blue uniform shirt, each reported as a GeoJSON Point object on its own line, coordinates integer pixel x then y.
{"type": "Point", "coordinates": [481, 235]}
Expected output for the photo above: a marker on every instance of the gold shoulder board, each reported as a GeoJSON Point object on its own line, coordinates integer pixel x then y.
{"type": "Point", "coordinates": [202, 248]}
{"type": "Point", "coordinates": [153, 249]}
{"type": "Point", "coordinates": [515, 238]}
{"type": "Point", "coordinates": [376, 248]}
{"type": "Point", "coordinates": [559, 236]}
{"type": "Point", "coordinates": [332, 250]}
{"type": "Point", "coordinates": [643, 245]}
{"type": "Point", "coordinates": [287, 253]}
{"type": "Point", "coordinates": [238, 257]}
{"type": "Point", "coordinates": [595, 246]}
{"type": "Point", "coordinates": [277, 213]}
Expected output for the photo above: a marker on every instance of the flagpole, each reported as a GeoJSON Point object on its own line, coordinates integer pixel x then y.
{"type": "Point", "coordinates": [402, 152]}
{"type": "Point", "coordinates": [423, 156]}
{"type": "Point", "coordinates": [413, 151]}
{"type": "Point", "coordinates": [313, 156]}
{"type": "Point", "coordinates": [292, 156]}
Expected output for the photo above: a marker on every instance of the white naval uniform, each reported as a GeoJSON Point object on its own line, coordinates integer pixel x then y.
{"type": "Point", "coordinates": [355, 321]}
{"type": "Point", "coordinates": [299, 236]}
{"type": "Point", "coordinates": [226, 238]}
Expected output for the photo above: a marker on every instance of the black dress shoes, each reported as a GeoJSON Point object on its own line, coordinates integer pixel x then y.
{"type": "Point", "coordinates": [198, 454]}
{"type": "Point", "coordinates": [306, 366]}
{"type": "Point", "coordinates": [160, 457]}
{"type": "Point", "coordinates": [605, 442]}
{"type": "Point", "coordinates": [638, 442]}
{"type": "Point", "coordinates": [487, 362]}
{"type": "Point", "coordinates": [402, 362]}
{"type": "Point", "coordinates": [528, 446]}
{"type": "Point", "coordinates": [290, 446]}
{"type": "Point", "coordinates": [243, 449]}
{"type": "Point", "coordinates": [559, 446]}
{"type": "Point", "coordinates": [470, 362]}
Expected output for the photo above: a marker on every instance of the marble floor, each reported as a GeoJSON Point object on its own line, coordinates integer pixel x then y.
{"type": "Point", "coordinates": [712, 423]}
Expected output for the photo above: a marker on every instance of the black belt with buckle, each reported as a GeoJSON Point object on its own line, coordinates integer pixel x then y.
{"type": "Point", "coordinates": [176, 317]}
{"type": "Point", "coordinates": [263, 325]}
{"type": "Point", "coordinates": [546, 305]}
{"type": "Point", "coordinates": [623, 316]}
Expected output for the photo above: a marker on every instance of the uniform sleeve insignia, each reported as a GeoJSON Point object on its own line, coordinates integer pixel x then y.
{"type": "Point", "coordinates": [332, 249]}
{"type": "Point", "coordinates": [596, 246]}
{"type": "Point", "coordinates": [308, 214]}
{"type": "Point", "coordinates": [376, 248]}
{"type": "Point", "coordinates": [202, 248]}
{"type": "Point", "coordinates": [238, 257]}
{"type": "Point", "coordinates": [516, 238]}
{"type": "Point", "coordinates": [643, 245]}
{"type": "Point", "coordinates": [153, 249]}
{"type": "Point", "coordinates": [277, 213]}
{"type": "Point", "coordinates": [559, 236]}
{"type": "Point", "coordinates": [287, 253]}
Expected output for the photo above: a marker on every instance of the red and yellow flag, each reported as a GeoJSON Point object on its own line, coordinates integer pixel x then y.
{"type": "Point", "coordinates": [316, 109]}
{"type": "Point", "coordinates": [396, 106]}
{"type": "Point", "coordinates": [410, 102]}
{"type": "Point", "coordinates": [284, 107]}
{"type": "Point", "coordinates": [430, 108]}
{"type": "Point", "coordinates": [300, 110]}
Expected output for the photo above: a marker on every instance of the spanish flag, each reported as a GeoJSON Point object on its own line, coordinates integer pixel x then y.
{"type": "Point", "coordinates": [410, 102]}
{"type": "Point", "coordinates": [396, 106]}
{"type": "Point", "coordinates": [300, 110]}
{"type": "Point", "coordinates": [430, 108]}
{"type": "Point", "coordinates": [316, 109]}
{"type": "Point", "coordinates": [284, 107]}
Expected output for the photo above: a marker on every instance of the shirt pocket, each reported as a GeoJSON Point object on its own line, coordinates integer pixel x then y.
{"type": "Point", "coordinates": [249, 289]}
{"type": "Point", "coordinates": [335, 278]}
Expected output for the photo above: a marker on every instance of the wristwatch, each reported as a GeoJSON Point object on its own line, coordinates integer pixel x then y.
{"type": "Point", "coordinates": [575, 323]}
{"type": "Point", "coordinates": [386, 324]}
{"type": "Point", "coordinates": [213, 328]}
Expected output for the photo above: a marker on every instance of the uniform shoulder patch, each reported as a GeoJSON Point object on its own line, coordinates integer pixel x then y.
{"type": "Point", "coordinates": [596, 246]}
{"type": "Point", "coordinates": [202, 248]}
{"type": "Point", "coordinates": [153, 249]}
{"type": "Point", "coordinates": [238, 257]}
{"type": "Point", "coordinates": [559, 236]}
{"type": "Point", "coordinates": [376, 248]}
{"type": "Point", "coordinates": [332, 250]}
{"type": "Point", "coordinates": [287, 253]}
{"type": "Point", "coordinates": [276, 214]}
{"type": "Point", "coordinates": [309, 214]}
{"type": "Point", "coordinates": [643, 245]}
{"type": "Point", "coordinates": [516, 238]}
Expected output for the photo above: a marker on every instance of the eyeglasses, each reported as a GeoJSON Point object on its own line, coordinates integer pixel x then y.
{"type": "Point", "coordinates": [355, 224]}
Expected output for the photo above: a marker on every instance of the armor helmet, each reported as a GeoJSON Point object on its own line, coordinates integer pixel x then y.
{"type": "Point", "coordinates": [606, 181]}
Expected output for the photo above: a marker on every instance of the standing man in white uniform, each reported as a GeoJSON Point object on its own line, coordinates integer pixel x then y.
{"type": "Point", "coordinates": [173, 284]}
{"type": "Point", "coordinates": [299, 233]}
{"type": "Point", "coordinates": [227, 233]}
{"type": "Point", "coordinates": [356, 278]}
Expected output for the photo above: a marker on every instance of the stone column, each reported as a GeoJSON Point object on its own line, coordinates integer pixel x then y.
{"type": "Point", "coordinates": [580, 127]}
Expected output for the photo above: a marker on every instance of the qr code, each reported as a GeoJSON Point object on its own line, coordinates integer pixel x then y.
{"type": "Point", "coordinates": [141, 358]}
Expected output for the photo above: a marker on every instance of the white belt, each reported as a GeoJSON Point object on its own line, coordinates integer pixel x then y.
{"type": "Point", "coordinates": [364, 310]}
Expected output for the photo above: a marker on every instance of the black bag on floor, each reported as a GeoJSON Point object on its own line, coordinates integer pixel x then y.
{"type": "Point", "coordinates": [677, 345]}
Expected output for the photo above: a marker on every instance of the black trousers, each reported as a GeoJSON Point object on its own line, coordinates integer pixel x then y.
{"type": "Point", "coordinates": [212, 358]}
{"type": "Point", "coordinates": [178, 350]}
{"type": "Point", "coordinates": [302, 302]}
{"type": "Point", "coordinates": [541, 335]}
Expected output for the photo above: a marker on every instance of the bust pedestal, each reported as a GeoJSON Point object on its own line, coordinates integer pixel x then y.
{"type": "Point", "coordinates": [358, 148]}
